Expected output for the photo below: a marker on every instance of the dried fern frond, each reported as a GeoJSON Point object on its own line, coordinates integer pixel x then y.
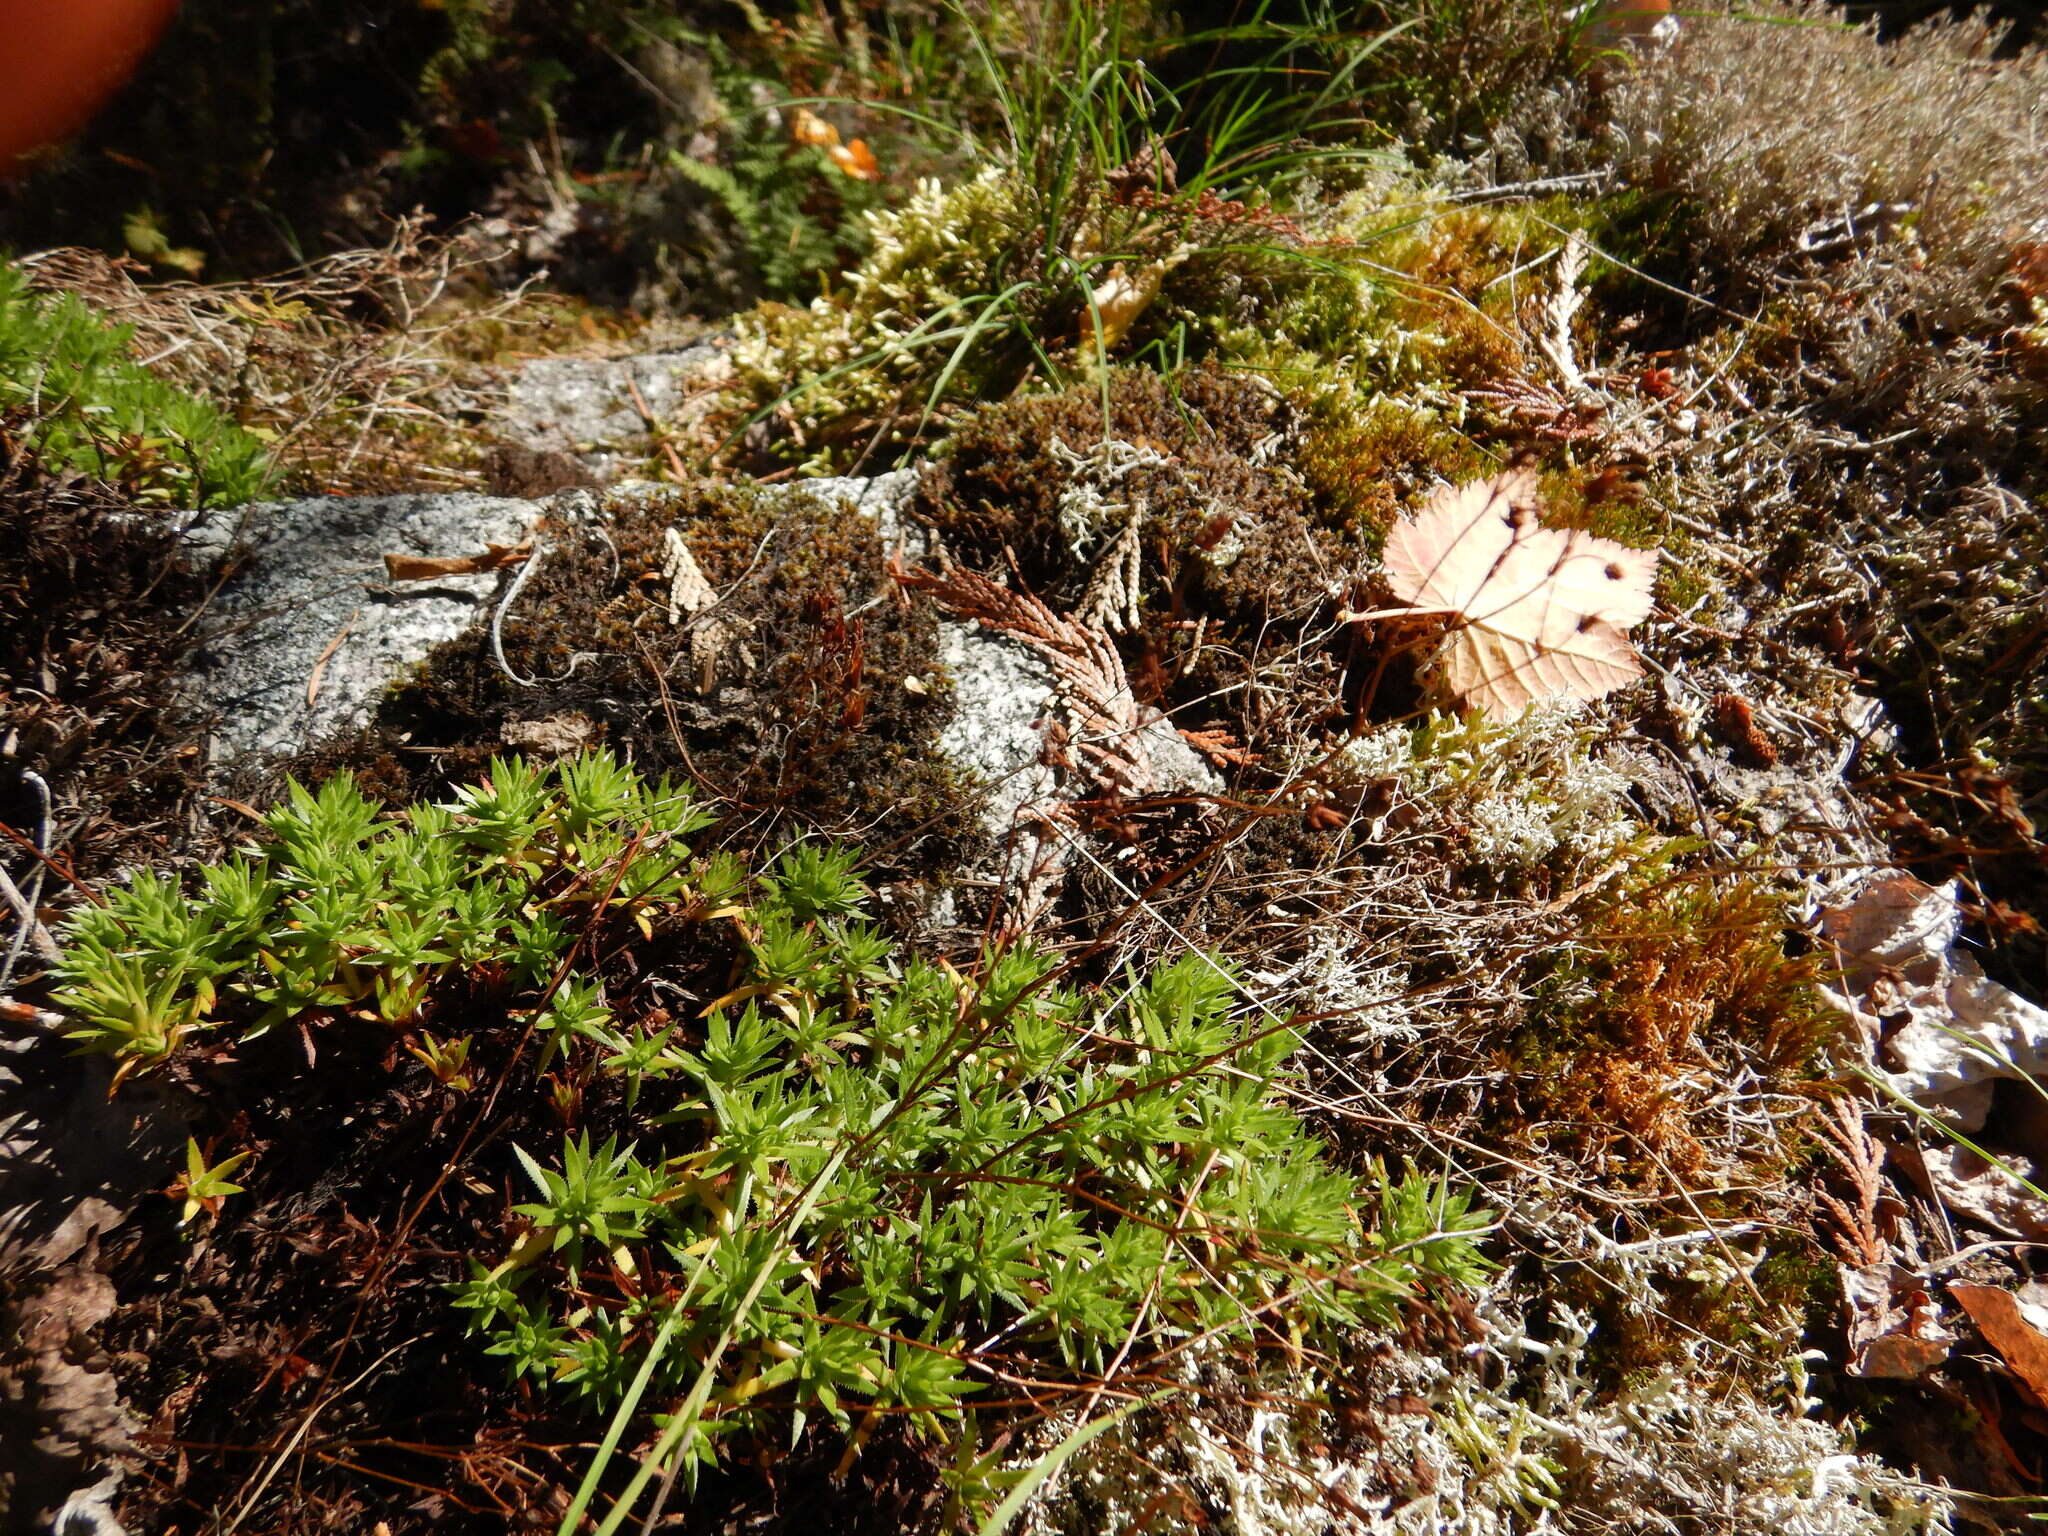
{"type": "Point", "coordinates": [1856, 1235]}
{"type": "Point", "coordinates": [1087, 671]}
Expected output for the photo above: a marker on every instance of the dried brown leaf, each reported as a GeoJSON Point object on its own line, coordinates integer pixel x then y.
{"type": "Point", "coordinates": [1996, 1312]}
{"type": "Point", "coordinates": [1086, 668]}
{"type": "Point", "coordinates": [495, 557]}
{"type": "Point", "coordinates": [1895, 1330]}
{"type": "Point", "coordinates": [1535, 612]}
{"type": "Point", "coordinates": [1120, 298]}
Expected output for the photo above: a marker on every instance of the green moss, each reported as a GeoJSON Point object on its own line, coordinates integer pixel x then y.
{"type": "Point", "coordinates": [1799, 1277]}
{"type": "Point", "coordinates": [1417, 305]}
{"type": "Point", "coordinates": [1362, 461]}
{"type": "Point", "coordinates": [872, 351]}
{"type": "Point", "coordinates": [1575, 497]}
{"type": "Point", "coordinates": [1681, 582]}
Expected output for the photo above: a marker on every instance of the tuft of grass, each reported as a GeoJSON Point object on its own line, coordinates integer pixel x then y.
{"type": "Point", "coordinates": [1452, 67]}
{"type": "Point", "coordinates": [1115, 212]}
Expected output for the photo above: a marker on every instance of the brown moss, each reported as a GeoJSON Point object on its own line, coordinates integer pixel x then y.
{"type": "Point", "coordinates": [95, 606]}
{"type": "Point", "coordinates": [1666, 982]}
{"type": "Point", "coordinates": [1238, 564]}
{"type": "Point", "coordinates": [806, 721]}
{"type": "Point", "coordinates": [1623, 1065]}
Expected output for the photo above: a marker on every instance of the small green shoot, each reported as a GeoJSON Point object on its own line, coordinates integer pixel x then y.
{"type": "Point", "coordinates": [202, 1188]}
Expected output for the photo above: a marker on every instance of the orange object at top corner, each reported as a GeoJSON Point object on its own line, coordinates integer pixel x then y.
{"type": "Point", "coordinates": [61, 59]}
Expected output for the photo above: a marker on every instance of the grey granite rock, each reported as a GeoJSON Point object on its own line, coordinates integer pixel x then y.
{"type": "Point", "coordinates": [884, 497]}
{"type": "Point", "coordinates": [310, 584]}
{"type": "Point", "coordinates": [585, 407]}
{"type": "Point", "coordinates": [308, 596]}
{"type": "Point", "coordinates": [1001, 692]}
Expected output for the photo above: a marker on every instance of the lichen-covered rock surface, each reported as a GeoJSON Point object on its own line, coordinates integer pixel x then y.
{"type": "Point", "coordinates": [306, 630]}
{"type": "Point", "coordinates": [601, 412]}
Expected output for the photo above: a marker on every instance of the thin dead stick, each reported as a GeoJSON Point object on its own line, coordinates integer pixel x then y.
{"type": "Point", "coordinates": [29, 927]}
{"type": "Point", "coordinates": [305, 1425]}
{"type": "Point", "coordinates": [658, 432]}
{"type": "Point", "coordinates": [54, 867]}
{"type": "Point", "coordinates": [320, 666]}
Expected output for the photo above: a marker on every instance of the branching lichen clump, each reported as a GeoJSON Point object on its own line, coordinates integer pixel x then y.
{"type": "Point", "coordinates": [822, 1189]}
{"type": "Point", "coordinates": [1524, 1433]}
{"type": "Point", "coordinates": [1527, 792]}
{"type": "Point", "coordinates": [1512, 1447]}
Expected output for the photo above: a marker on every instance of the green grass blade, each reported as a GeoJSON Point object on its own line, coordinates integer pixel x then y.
{"type": "Point", "coordinates": [1014, 1502]}
{"type": "Point", "coordinates": [687, 1416]}
{"type": "Point", "coordinates": [608, 1447]}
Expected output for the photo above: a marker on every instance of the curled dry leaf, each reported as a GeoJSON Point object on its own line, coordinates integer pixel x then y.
{"type": "Point", "coordinates": [431, 567]}
{"type": "Point", "coordinates": [1120, 298]}
{"type": "Point", "coordinates": [807, 128]}
{"type": "Point", "coordinates": [1895, 1330]}
{"type": "Point", "coordinates": [1534, 612]}
{"type": "Point", "coordinates": [689, 591]}
{"type": "Point", "coordinates": [1996, 1312]}
{"type": "Point", "coordinates": [690, 594]}
{"type": "Point", "coordinates": [553, 737]}
{"type": "Point", "coordinates": [853, 158]}
{"type": "Point", "coordinates": [1943, 1032]}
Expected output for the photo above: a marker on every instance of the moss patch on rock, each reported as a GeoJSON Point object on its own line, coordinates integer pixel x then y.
{"type": "Point", "coordinates": [810, 696]}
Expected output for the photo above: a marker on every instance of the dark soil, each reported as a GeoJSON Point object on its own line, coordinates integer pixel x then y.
{"type": "Point", "coordinates": [97, 607]}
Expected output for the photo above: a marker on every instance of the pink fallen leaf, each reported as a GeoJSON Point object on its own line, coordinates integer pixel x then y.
{"type": "Point", "coordinates": [1534, 612]}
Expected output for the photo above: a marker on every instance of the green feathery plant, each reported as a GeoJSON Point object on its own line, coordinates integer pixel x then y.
{"type": "Point", "coordinates": [339, 911]}
{"type": "Point", "coordinates": [859, 1184]}
{"type": "Point", "coordinates": [89, 408]}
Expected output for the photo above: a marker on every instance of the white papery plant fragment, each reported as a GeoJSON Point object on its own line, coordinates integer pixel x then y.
{"type": "Point", "coordinates": [1941, 1031]}
{"type": "Point", "coordinates": [1942, 1035]}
